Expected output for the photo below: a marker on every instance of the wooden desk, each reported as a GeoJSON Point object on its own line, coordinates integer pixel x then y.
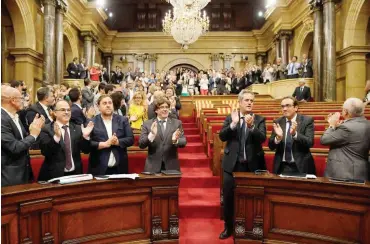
{"type": "Point", "coordinates": [144, 210]}
{"type": "Point", "coordinates": [271, 209]}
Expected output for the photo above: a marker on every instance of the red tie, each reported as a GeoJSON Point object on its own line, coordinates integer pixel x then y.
{"type": "Point", "coordinates": [68, 150]}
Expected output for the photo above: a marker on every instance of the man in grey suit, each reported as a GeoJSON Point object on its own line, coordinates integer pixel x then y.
{"type": "Point", "coordinates": [349, 142]}
{"type": "Point", "coordinates": [88, 94]}
{"type": "Point", "coordinates": [162, 135]}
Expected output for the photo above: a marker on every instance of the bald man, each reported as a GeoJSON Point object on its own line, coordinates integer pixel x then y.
{"type": "Point", "coordinates": [15, 142]}
{"type": "Point", "coordinates": [349, 142]}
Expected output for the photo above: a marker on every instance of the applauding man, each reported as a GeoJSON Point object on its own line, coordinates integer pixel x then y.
{"type": "Point", "coordinates": [349, 142]}
{"type": "Point", "coordinates": [244, 132]}
{"type": "Point", "coordinates": [162, 135]}
{"type": "Point", "coordinates": [292, 138]}
{"type": "Point", "coordinates": [15, 143]}
{"type": "Point", "coordinates": [109, 140]}
{"type": "Point", "coordinates": [61, 142]}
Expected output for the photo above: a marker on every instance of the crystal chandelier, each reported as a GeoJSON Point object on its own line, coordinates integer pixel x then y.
{"type": "Point", "coordinates": [186, 25]}
{"type": "Point", "coordinates": [194, 4]}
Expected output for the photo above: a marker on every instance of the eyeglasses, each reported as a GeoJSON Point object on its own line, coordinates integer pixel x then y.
{"type": "Point", "coordinates": [286, 106]}
{"type": "Point", "coordinates": [164, 107]}
{"type": "Point", "coordinates": [66, 110]}
{"type": "Point", "coordinates": [17, 97]}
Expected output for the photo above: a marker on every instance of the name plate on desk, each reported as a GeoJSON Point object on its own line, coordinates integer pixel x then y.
{"type": "Point", "coordinates": [272, 209]}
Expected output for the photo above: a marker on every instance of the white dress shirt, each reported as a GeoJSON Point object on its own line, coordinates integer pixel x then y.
{"type": "Point", "coordinates": [15, 119]}
{"type": "Point", "coordinates": [46, 111]}
{"type": "Point", "coordinates": [295, 67]}
{"type": "Point", "coordinates": [286, 133]}
{"type": "Point", "coordinates": [57, 140]}
{"type": "Point", "coordinates": [108, 127]}
{"type": "Point", "coordinates": [151, 136]}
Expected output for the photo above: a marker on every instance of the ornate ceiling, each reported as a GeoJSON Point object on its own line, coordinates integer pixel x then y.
{"type": "Point", "coordinates": [147, 15]}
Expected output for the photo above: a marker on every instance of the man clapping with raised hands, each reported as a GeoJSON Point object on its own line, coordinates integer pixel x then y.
{"type": "Point", "coordinates": [162, 135]}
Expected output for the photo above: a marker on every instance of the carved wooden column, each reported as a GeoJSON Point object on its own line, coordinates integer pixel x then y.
{"type": "Point", "coordinates": [215, 58]}
{"type": "Point", "coordinates": [316, 6]}
{"type": "Point", "coordinates": [93, 51]}
{"type": "Point", "coordinates": [88, 37]}
{"type": "Point", "coordinates": [108, 58]}
{"type": "Point", "coordinates": [227, 61]}
{"type": "Point", "coordinates": [152, 62]}
{"type": "Point", "coordinates": [330, 79]}
{"type": "Point", "coordinates": [59, 67]}
{"type": "Point", "coordinates": [140, 58]}
{"type": "Point", "coordinates": [285, 36]}
{"type": "Point", "coordinates": [277, 46]}
{"type": "Point", "coordinates": [48, 74]}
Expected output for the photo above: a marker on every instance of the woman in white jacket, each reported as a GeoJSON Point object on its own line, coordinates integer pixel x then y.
{"type": "Point", "coordinates": [268, 73]}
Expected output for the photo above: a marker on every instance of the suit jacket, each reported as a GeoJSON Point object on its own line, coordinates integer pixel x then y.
{"type": "Point", "coordinates": [161, 149]}
{"type": "Point", "coordinates": [87, 97]}
{"type": "Point", "coordinates": [15, 159]}
{"type": "Point", "coordinates": [82, 71]}
{"type": "Point", "coordinates": [301, 146]}
{"type": "Point", "coordinates": [77, 115]}
{"type": "Point", "coordinates": [152, 114]}
{"type": "Point", "coordinates": [306, 94]}
{"type": "Point", "coordinates": [31, 114]}
{"type": "Point", "coordinates": [98, 160]}
{"type": "Point", "coordinates": [253, 146]}
{"type": "Point", "coordinates": [309, 71]}
{"type": "Point", "coordinates": [55, 160]}
{"type": "Point", "coordinates": [73, 71]}
{"type": "Point", "coordinates": [349, 149]}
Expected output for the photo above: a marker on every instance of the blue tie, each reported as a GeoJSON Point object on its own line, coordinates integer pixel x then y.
{"type": "Point", "coordinates": [292, 69]}
{"type": "Point", "coordinates": [288, 144]}
{"type": "Point", "coordinates": [243, 139]}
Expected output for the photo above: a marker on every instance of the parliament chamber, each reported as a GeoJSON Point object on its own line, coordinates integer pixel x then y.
{"type": "Point", "coordinates": [198, 64]}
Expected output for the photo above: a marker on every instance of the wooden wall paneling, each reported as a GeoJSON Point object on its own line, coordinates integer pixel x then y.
{"type": "Point", "coordinates": [35, 221]}
{"type": "Point", "coordinates": [165, 217]}
{"type": "Point", "coordinates": [103, 219]}
{"type": "Point", "coordinates": [9, 225]}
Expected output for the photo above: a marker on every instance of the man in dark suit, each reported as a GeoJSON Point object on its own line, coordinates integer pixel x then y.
{"type": "Point", "coordinates": [61, 142]}
{"type": "Point", "coordinates": [349, 142]}
{"type": "Point", "coordinates": [42, 107]}
{"type": "Point", "coordinates": [78, 116]}
{"type": "Point", "coordinates": [307, 67]}
{"type": "Point", "coordinates": [15, 142]}
{"type": "Point", "coordinates": [302, 93]}
{"type": "Point", "coordinates": [109, 140]}
{"type": "Point", "coordinates": [162, 135]}
{"type": "Point", "coordinates": [244, 133]}
{"type": "Point", "coordinates": [292, 138]}
{"type": "Point", "coordinates": [82, 69]}
{"type": "Point", "coordinates": [87, 94]}
{"type": "Point", "coordinates": [72, 69]}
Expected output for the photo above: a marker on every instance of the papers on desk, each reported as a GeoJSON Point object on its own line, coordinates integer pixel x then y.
{"type": "Point", "coordinates": [71, 179]}
{"type": "Point", "coordinates": [118, 176]}
{"type": "Point", "coordinates": [305, 176]}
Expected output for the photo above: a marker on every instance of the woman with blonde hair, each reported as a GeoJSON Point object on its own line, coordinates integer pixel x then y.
{"type": "Point", "coordinates": [137, 112]}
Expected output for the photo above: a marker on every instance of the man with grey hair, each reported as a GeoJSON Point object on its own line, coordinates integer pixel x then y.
{"type": "Point", "coordinates": [244, 132]}
{"type": "Point", "coordinates": [302, 93]}
{"type": "Point", "coordinates": [349, 142]}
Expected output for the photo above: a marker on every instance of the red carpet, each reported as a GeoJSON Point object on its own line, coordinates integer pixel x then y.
{"type": "Point", "coordinates": [199, 193]}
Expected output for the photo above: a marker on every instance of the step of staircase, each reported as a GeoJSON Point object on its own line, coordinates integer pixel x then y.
{"type": "Point", "coordinates": [193, 160]}
{"type": "Point", "coordinates": [192, 147]}
{"type": "Point", "coordinates": [191, 131]}
{"type": "Point", "coordinates": [193, 138]}
{"type": "Point", "coordinates": [196, 180]}
{"type": "Point", "coordinates": [189, 125]}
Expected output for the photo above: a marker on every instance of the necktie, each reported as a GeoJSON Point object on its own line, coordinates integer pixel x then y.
{"type": "Point", "coordinates": [161, 126]}
{"type": "Point", "coordinates": [243, 138]}
{"type": "Point", "coordinates": [292, 68]}
{"type": "Point", "coordinates": [288, 144]}
{"type": "Point", "coordinates": [68, 151]}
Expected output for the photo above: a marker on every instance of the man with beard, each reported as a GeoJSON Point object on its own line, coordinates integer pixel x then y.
{"type": "Point", "coordinates": [244, 132]}
{"type": "Point", "coordinates": [109, 140]}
